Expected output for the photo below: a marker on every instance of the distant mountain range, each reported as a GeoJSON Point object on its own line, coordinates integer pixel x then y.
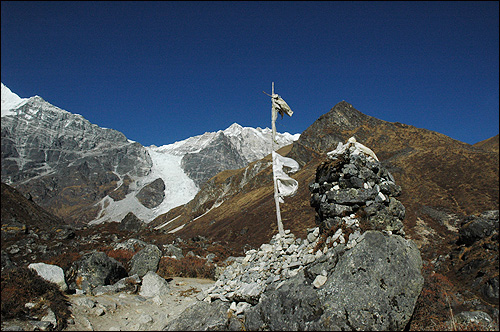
{"type": "Point", "coordinates": [87, 174]}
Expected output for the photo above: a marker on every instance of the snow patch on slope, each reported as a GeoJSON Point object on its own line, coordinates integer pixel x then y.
{"type": "Point", "coordinates": [179, 189]}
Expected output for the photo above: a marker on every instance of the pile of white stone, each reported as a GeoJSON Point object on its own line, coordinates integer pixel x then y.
{"type": "Point", "coordinates": [283, 257]}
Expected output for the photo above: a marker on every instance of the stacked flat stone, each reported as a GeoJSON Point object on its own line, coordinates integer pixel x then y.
{"type": "Point", "coordinates": [273, 263]}
{"type": "Point", "coordinates": [352, 181]}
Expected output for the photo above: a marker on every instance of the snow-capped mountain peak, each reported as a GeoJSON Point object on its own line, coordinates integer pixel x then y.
{"type": "Point", "coordinates": [10, 101]}
{"type": "Point", "coordinates": [233, 130]}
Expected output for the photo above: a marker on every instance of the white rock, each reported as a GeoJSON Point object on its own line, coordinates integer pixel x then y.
{"type": "Point", "coordinates": [99, 311]}
{"type": "Point", "coordinates": [153, 284]}
{"type": "Point", "coordinates": [337, 234]}
{"type": "Point", "coordinates": [241, 307]}
{"type": "Point", "coordinates": [145, 319]}
{"type": "Point", "coordinates": [84, 302]}
{"type": "Point", "coordinates": [50, 317]}
{"type": "Point", "coordinates": [319, 281]}
{"type": "Point", "coordinates": [29, 305]}
{"type": "Point", "coordinates": [52, 273]}
{"type": "Point", "coordinates": [250, 290]}
{"type": "Point", "coordinates": [265, 247]}
{"type": "Point", "coordinates": [157, 300]}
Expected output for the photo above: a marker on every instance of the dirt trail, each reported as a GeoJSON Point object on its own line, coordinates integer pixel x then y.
{"type": "Point", "coordinates": [132, 312]}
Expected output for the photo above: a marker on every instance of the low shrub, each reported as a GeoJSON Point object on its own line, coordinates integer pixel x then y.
{"type": "Point", "coordinates": [23, 285]}
{"type": "Point", "coordinates": [188, 267]}
{"type": "Point", "coordinates": [433, 308]}
{"type": "Point", "coordinates": [64, 260]}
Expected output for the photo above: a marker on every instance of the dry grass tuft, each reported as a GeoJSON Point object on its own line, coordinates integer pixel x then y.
{"type": "Point", "coordinates": [188, 267]}
{"type": "Point", "coordinates": [23, 285]}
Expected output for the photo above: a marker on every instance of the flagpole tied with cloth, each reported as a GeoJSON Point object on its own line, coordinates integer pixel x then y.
{"type": "Point", "coordinates": [283, 184]}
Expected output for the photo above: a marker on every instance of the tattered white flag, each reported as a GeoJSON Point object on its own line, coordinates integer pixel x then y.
{"type": "Point", "coordinates": [285, 184]}
{"type": "Point", "coordinates": [281, 106]}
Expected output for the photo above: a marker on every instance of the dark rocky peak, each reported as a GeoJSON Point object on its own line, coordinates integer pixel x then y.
{"type": "Point", "coordinates": [329, 129]}
{"type": "Point", "coordinates": [347, 117]}
{"type": "Point", "coordinates": [220, 155]}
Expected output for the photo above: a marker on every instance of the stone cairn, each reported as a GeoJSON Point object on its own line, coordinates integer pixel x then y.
{"type": "Point", "coordinates": [354, 183]}
{"type": "Point", "coordinates": [352, 189]}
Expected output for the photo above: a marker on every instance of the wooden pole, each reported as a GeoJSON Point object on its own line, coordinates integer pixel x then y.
{"type": "Point", "coordinates": [276, 197]}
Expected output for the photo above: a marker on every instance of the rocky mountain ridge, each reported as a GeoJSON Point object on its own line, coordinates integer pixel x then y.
{"type": "Point", "coordinates": [84, 173]}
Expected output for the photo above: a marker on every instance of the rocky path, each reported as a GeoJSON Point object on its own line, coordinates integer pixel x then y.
{"type": "Point", "coordinates": [133, 312]}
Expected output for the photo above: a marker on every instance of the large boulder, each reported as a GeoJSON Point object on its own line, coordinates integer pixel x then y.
{"type": "Point", "coordinates": [52, 273]}
{"type": "Point", "coordinates": [478, 227]}
{"type": "Point", "coordinates": [374, 286]}
{"type": "Point", "coordinates": [95, 269]}
{"type": "Point", "coordinates": [145, 260]}
{"type": "Point", "coordinates": [152, 194]}
{"type": "Point", "coordinates": [294, 306]}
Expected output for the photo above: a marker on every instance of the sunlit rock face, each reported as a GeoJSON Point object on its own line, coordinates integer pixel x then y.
{"type": "Point", "coordinates": [63, 161]}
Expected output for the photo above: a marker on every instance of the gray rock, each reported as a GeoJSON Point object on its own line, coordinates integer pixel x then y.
{"type": "Point", "coordinates": [6, 261]}
{"type": "Point", "coordinates": [145, 260]}
{"type": "Point", "coordinates": [476, 229]}
{"type": "Point", "coordinates": [171, 250]}
{"type": "Point", "coordinates": [351, 196]}
{"type": "Point", "coordinates": [125, 284]}
{"type": "Point", "coordinates": [294, 306]}
{"type": "Point", "coordinates": [152, 285]}
{"type": "Point", "coordinates": [374, 286]}
{"type": "Point", "coordinates": [52, 273]}
{"type": "Point", "coordinates": [96, 269]}
{"type": "Point", "coordinates": [130, 244]}
{"type": "Point", "coordinates": [152, 194]}
{"type": "Point", "coordinates": [249, 292]}
{"type": "Point", "coordinates": [384, 220]}
{"type": "Point", "coordinates": [42, 325]}
{"type": "Point", "coordinates": [84, 301]}
{"type": "Point", "coordinates": [490, 289]}
{"type": "Point", "coordinates": [131, 223]}
{"type": "Point", "coordinates": [50, 317]}
{"type": "Point", "coordinates": [201, 316]}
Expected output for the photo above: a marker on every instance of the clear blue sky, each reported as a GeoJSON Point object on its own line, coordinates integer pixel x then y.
{"type": "Point", "coordinates": [163, 71]}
